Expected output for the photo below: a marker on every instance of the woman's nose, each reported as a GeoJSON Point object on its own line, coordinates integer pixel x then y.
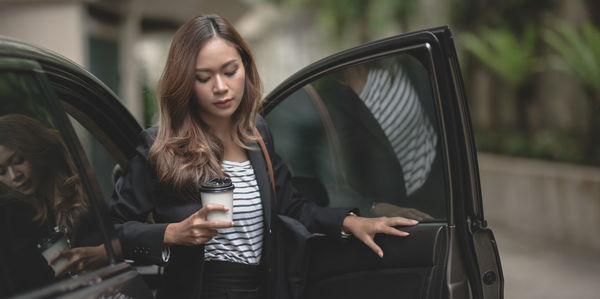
{"type": "Point", "coordinates": [15, 174]}
{"type": "Point", "coordinates": [220, 86]}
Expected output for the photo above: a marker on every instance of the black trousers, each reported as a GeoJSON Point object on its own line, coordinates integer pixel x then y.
{"type": "Point", "coordinates": [225, 280]}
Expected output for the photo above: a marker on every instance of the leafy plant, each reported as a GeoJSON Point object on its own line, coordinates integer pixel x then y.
{"type": "Point", "coordinates": [512, 59]}
{"type": "Point", "coordinates": [514, 14]}
{"type": "Point", "coordinates": [579, 54]}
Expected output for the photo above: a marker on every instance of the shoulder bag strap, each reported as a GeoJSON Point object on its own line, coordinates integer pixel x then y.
{"type": "Point", "coordinates": [268, 160]}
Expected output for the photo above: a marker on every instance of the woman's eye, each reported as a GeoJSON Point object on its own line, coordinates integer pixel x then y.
{"type": "Point", "coordinates": [230, 74]}
{"type": "Point", "coordinates": [202, 80]}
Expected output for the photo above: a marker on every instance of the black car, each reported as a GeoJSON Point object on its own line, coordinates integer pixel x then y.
{"type": "Point", "coordinates": [384, 127]}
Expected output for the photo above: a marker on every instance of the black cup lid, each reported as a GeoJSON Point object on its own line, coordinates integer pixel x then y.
{"type": "Point", "coordinates": [216, 185]}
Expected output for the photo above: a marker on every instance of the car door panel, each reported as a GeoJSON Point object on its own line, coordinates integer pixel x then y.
{"type": "Point", "coordinates": [409, 269]}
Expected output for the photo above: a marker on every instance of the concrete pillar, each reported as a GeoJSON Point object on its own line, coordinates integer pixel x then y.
{"type": "Point", "coordinates": [130, 72]}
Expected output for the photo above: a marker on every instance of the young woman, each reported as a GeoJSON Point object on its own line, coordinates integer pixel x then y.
{"type": "Point", "coordinates": [35, 165]}
{"type": "Point", "coordinates": [209, 98]}
{"type": "Point", "coordinates": [38, 178]}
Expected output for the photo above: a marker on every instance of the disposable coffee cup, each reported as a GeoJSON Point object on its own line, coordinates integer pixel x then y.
{"type": "Point", "coordinates": [52, 245]}
{"type": "Point", "coordinates": [218, 191]}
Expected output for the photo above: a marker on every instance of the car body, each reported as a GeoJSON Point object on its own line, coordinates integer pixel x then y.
{"type": "Point", "coordinates": [383, 127]}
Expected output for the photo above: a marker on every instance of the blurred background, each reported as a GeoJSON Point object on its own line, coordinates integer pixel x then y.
{"type": "Point", "coordinates": [531, 70]}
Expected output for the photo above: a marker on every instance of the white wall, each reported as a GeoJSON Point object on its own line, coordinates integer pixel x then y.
{"type": "Point", "coordinates": [544, 201]}
{"type": "Point", "coordinates": [55, 26]}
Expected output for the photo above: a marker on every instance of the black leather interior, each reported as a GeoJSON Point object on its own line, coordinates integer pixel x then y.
{"type": "Point", "coordinates": [412, 267]}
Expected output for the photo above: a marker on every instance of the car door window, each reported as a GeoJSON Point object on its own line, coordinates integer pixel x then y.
{"type": "Point", "coordinates": [366, 135]}
{"type": "Point", "coordinates": [104, 165]}
{"type": "Point", "coordinates": [45, 201]}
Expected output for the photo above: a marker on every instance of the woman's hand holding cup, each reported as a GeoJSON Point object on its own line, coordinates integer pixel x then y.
{"type": "Point", "coordinates": [196, 230]}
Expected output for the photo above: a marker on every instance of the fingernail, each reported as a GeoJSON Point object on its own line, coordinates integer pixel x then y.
{"type": "Point", "coordinates": [380, 254]}
{"type": "Point", "coordinates": [414, 221]}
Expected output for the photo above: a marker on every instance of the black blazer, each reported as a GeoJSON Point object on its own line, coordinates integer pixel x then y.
{"type": "Point", "coordinates": [137, 194]}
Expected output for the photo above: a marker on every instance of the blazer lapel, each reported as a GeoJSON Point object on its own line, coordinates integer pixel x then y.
{"type": "Point", "coordinates": [262, 178]}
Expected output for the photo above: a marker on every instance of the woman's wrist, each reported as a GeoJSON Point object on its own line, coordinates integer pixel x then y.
{"type": "Point", "coordinates": [346, 232]}
{"type": "Point", "coordinates": [170, 232]}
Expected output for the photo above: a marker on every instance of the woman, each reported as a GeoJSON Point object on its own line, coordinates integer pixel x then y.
{"type": "Point", "coordinates": [209, 98]}
{"type": "Point", "coordinates": [39, 179]}
{"type": "Point", "coordinates": [35, 165]}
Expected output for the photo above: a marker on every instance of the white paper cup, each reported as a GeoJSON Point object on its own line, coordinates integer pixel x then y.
{"type": "Point", "coordinates": [218, 191]}
{"type": "Point", "coordinates": [52, 246]}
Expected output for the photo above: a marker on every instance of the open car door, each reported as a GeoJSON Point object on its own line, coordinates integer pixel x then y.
{"type": "Point", "coordinates": [385, 127]}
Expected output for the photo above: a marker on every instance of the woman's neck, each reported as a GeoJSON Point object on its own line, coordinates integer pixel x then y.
{"type": "Point", "coordinates": [223, 129]}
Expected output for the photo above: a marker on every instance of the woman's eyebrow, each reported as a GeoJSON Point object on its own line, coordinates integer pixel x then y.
{"type": "Point", "coordinates": [226, 64]}
{"type": "Point", "coordinates": [9, 160]}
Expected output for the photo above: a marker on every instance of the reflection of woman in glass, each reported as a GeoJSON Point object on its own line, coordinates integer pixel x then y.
{"type": "Point", "coordinates": [35, 167]}
{"type": "Point", "coordinates": [390, 97]}
{"type": "Point", "coordinates": [34, 162]}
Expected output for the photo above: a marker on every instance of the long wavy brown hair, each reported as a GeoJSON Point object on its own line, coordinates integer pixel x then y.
{"type": "Point", "coordinates": [185, 150]}
{"type": "Point", "coordinates": [59, 194]}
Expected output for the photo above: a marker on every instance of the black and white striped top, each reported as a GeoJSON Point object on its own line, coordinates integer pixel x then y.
{"type": "Point", "coordinates": [243, 242]}
{"type": "Point", "coordinates": [390, 96]}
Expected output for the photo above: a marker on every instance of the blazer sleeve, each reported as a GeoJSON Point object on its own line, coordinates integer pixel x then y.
{"type": "Point", "coordinates": [135, 196]}
{"type": "Point", "coordinates": [291, 202]}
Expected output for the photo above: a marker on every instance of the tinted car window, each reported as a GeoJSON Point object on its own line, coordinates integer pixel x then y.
{"type": "Point", "coordinates": [366, 135]}
{"type": "Point", "coordinates": [44, 201]}
{"type": "Point", "coordinates": [103, 164]}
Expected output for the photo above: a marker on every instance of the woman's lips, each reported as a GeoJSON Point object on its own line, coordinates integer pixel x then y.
{"type": "Point", "coordinates": [24, 186]}
{"type": "Point", "coordinates": [224, 103]}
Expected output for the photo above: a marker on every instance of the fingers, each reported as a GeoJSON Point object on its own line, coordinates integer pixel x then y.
{"type": "Point", "coordinates": [395, 221]}
{"type": "Point", "coordinates": [64, 269]}
{"type": "Point", "coordinates": [215, 224]}
{"type": "Point", "coordinates": [210, 207]}
{"type": "Point", "coordinates": [393, 231]}
{"type": "Point", "coordinates": [59, 255]}
{"type": "Point", "coordinates": [74, 260]}
{"type": "Point", "coordinates": [368, 240]}
{"type": "Point", "coordinates": [199, 218]}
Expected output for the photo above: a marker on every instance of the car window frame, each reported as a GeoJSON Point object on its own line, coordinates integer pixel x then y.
{"type": "Point", "coordinates": [410, 45]}
{"type": "Point", "coordinates": [62, 124]}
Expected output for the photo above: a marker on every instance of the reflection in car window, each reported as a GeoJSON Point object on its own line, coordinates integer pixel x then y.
{"type": "Point", "coordinates": [42, 202]}
{"type": "Point", "coordinates": [371, 138]}
{"type": "Point", "coordinates": [103, 164]}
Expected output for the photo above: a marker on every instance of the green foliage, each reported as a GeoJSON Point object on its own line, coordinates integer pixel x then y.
{"type": "Point", "coordinates": [512, 59]}
{"type": "Point", "coordinates": [150, 106]}
{"type": "Point", "coordinates": [547, 145]}
{"type": "Point", "coordinates": [342, 16]}
{"type": "Point", "coordinates": [579, 52]}
{"type": "Point", "coordinates": [20, 94]}
{"type": "Point", "coordinates": [515, 14]}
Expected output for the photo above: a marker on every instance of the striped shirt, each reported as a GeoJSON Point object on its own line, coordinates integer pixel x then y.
{"type": "Point", "coordinates": [243, 242]}
{"type": "Point", "coordinates": [394, 103]}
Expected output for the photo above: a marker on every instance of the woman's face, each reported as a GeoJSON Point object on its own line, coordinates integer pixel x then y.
{"type": "Point", "coordinates": [220, 80]}
{"type": "Point", "coordinates": [16, 172]}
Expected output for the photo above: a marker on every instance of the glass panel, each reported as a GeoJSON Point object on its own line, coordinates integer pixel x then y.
{"type": "Point", "coordinates": [368, 133]}
{"type": "Point", "coordinates": [103, 164]}
{"type": "Point", "coordinates": [43, 206]}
